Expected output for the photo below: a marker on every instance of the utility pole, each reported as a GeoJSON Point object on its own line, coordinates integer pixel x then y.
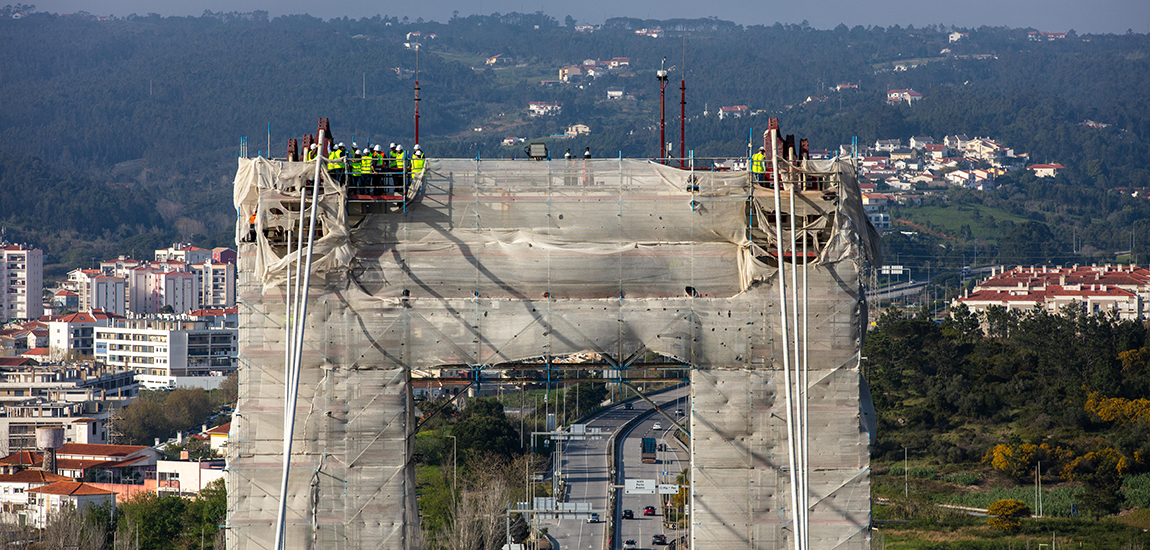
{"type": "Point", "coordinates": [454, 468]}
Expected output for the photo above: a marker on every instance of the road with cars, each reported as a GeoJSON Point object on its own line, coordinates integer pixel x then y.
{"type": "Point", "coordinates": [585, 469]}
{"type": "Point", "coordinates": [671, 459]}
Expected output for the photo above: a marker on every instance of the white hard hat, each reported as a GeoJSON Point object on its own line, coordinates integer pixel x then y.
{"type": "Point", "coordinates": [354, 144]}
{"type": "Point", "coordinates": [314, 146]}
{"type": "Point", "coordinates": [340, 144]}
{"type": "Point", "coordinates": [364, 151]}
{"type": "Point", "coordinates": [376, 148]}
{"type": "Point", "coordinates": [392, 146]}
{"type": "Point", "coordinates": [398, 147]}
{"type": "Point", "coordinates": [416, 146]}
{"type": "Point", "coordinates": [762, 148]}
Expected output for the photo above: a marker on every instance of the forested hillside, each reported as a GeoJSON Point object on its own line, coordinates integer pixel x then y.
{"type": "Point", "coordinates": [147, 112]}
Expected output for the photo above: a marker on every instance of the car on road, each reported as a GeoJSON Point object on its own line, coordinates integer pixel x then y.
{"type": "Point", "coordinates": [679, 412]}
{"type": "Point", "coordinates": [630, 544]}
{"type": "Point", "coordinates": [628, 514]}
{"type": "Point", "coordinates": [649, 511]}
{"type": "Point", "coordinates": [662, 447]}
{"type": "Point", "coordinates": [659, 539]}
{"type": "Point", "coordinates": [628, 406]}
{"type": "Point", "coordinates": [594, 518]}
{"type": "Point", "coordinates": [657, 426]}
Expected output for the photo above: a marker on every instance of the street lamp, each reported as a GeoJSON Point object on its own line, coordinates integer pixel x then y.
{"type": "Point", "coordinates": [454, 467]}
{"type": "Point", "coordinates": [662, 76]}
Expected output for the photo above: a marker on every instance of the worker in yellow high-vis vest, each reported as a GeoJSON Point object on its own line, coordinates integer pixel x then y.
{"type": "Point", "coordinates": [759, 165]}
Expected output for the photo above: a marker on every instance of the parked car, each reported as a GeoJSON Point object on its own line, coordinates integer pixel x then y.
{"type": "Point", "coordinates": [657, 426]}
{"type": "Point", "coordinates": [628, 514]}
{"type": "Point", "coordinates": [659, 539]}
{"type": "Point", "coordinates": [649, 511]}
{"type": "Point", "coordinates": [594, 518]}
{"type": "Point", "coordinates": [630, 544]}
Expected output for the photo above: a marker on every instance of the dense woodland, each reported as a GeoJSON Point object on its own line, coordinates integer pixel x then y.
{"type": "Point", "coordinates": [138, 118]}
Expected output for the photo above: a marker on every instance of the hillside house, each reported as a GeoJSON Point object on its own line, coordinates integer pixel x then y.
{"type": "Point", "coordinates": [733, 111]}
{"type": "Point", "coordinates": [544, 108]}
{"type": "Point", "coordinates": [896, 96]}
{"type": "Point", "coordinates": [1045, 170]}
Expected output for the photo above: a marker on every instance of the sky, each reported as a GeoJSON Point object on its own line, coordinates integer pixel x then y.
{"type": "Point", "coordinates": [1084, 16]}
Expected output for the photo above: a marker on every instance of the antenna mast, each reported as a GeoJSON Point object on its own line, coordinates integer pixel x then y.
{"type": "Point", "coordinates": [683, 110]}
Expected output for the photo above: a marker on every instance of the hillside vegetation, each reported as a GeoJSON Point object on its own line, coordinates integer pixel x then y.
{"type": "Point", "coordinates": [139, 118]}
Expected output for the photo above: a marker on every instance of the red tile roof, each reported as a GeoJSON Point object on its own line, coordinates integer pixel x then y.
{"type": "Point", "coordinates": [16, 361]}
{"type": "Point", "coordinates": [222, 429]}
{"type": "Point", "coordinates": [71, 488]}
{"type": "Point", "coordinates": [23, 458]}
{"type": "Point", "coordinates": [32, 476]}
{"type": "Point", "coordinates": [90, 449]}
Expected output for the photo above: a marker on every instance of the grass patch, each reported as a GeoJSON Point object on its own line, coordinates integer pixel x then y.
{"type": "Point", "coordinates": [1055, 501]}
{"type": "Point", "coordinates": [983, 221]}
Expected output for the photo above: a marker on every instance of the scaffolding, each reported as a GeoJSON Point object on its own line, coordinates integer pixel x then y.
{"type": "Point", "coordinates": [486, 263]}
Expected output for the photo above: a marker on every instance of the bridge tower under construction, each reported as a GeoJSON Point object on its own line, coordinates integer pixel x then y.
{"type": "Point", "coordinates": [754, 286]}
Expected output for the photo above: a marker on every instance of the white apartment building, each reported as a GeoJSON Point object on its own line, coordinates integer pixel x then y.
{"type": "Point", "coordinates": [73, 333]}
{"type": "Point", "coordinates": [184, 253]}
{"type": "Point", "coordinates": [169, 351]}
{"type": "Point", "coordinates": [21, 282]}
{"type": "Point", "coordinates": [216, 284]}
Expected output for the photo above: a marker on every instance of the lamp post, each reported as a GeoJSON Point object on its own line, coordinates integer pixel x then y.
{"type": "Point", "coordinates": [905, 474]}
{"type": "Point", "coordinates": [454, 467]}
{"type": "Point", "coordinates": [662, 76]}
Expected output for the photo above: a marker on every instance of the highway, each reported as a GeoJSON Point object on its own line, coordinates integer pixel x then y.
{"type": "Point", "coordinates": [670, 463]}
{"type": "Point", "coordinates": [585, 470]}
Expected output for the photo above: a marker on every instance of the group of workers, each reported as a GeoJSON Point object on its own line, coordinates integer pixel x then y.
{"type": "Point", "coordinates": [367, 169]}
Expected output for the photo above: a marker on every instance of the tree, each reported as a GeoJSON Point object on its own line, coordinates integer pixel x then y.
{"type": "Point", "coordinates": [81, 529]}
{"type": "Point", "coordinates": [1006, 514]}
{"type": "Point", "coordinates": [159, 520]}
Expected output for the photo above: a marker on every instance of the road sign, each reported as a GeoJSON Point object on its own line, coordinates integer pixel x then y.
{"type": "Point", "coordinates": [891, 270]}
{"type": "Point", "coordinates": [665, 489]}
{"type": "Point", "coordinates": [639, 487]}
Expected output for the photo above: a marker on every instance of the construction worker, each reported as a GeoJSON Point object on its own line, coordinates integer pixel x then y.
{"type": "Point", "coordinates": [587, 153]}
{"type": "Point", "coordinates": [567, 155]}
{"type": "Point", "coordinates": [337, 154]}
{"type": "Point", "coordinates": [400, 167]}
{"type": "Point", "coordinates": [310, 154]}
{"type": "Point", "coordinates": [759, 166]}
{"type": "Point", "coordinates": [364, 170]}
{"type": "Point", "coordinates": [251, 237]}
{"type": "Point", "coordinates": [417, 161]}
{"type": "Point", "coordinates": [379, 165]}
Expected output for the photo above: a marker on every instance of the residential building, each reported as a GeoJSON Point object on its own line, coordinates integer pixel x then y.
{"type": "Point", "coordinates": [78, 400]}
{"type": "Point", "coordinates": [615, 93]}
{"type": "Point", "coordinates": [896, 96]}
{"type": "Point", "coordinates": [185, 478]}
{"type": "Point", "coordinates": [218, 437]}
{"type": "Point", "coordinates": [106, 462]}
{"type": "Point", "coordinates": [887, 144]}
{"type": "Point", "coordinates": [66, 299]}
{"type": "Point", "coordinates": [1045, 170]}
{"type": "Point", "coordinates": [14, 493]}
{"type": "Point", "coordinates": [50, 499]}
{"type": "Point", "coordinates": [572, 131]}
{"type": "Point", "coordinates": [184, 253]}
{"type": "Point", "coordinates": [569, 71]}
{"type": "Point", "coordinates": [919, 142]}
{"type": "Point", "coordinates": [21, 282]}
{"type": "Point", "coordinates": [880, 221]}
{"type": "Point", "coordinates": [223, 254]}
{"type": "Point", "coordinates": [72, 334]}
{"type": "Point", "coordinates": [169, 351]}
{"type": "Point", "coordinates": [540, 108]}
{"type": "Point", "coordinates": [956, 36]}
{"type": "Point", "coordinates": [734, 111]}
{"type": "Point", "coordinates": [217, 280]}
{"type": "Point", "coordinates": [1120, 290]}
{"type": "Point", "coordinates": [617, 62]}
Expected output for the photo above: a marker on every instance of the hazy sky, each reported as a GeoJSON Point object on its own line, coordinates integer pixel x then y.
{"type": "Point", "coordinates": [1084, 16]}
